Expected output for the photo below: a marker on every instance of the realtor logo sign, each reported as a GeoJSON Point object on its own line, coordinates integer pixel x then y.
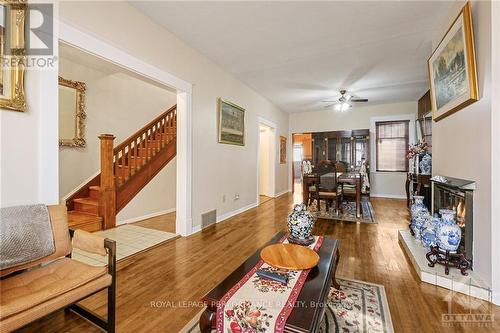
{"type": "Point", "coordinates": [40, 24]}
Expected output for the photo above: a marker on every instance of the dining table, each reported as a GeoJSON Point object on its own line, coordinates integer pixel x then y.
{"type": "Point", "coordinates": [351, 178]}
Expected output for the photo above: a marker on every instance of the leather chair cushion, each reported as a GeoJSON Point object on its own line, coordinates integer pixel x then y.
{"type": "Point", "coordinates": [29, 289]}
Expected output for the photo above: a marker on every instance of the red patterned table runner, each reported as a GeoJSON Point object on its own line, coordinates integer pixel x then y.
{"type": "Point", "coordinates": [256, 305]}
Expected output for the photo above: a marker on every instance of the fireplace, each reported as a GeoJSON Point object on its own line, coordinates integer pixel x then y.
{"type": "Point", "coordinates": [457, 194]}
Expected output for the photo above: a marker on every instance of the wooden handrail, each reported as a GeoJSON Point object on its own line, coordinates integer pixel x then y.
{"type": "Point", "coordinates": [132, 154]}
{"type": "Point", "coordinates": [145, 127]}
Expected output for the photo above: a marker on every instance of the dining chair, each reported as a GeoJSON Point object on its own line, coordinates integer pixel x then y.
{"type": "Point", "coordinates": [327, 187]}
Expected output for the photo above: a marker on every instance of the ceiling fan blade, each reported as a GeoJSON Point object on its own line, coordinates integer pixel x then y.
{"type": "Point", "coordinates": [359, 99]}
{"type": "Point", "coordinates": [329, 105]}
{"type": "Point", "coordinates": [330, 101]}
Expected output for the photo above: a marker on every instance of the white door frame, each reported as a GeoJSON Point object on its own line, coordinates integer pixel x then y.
{"type": "Point", "coordinates": [88, 43]}
{"type": "Point", "coordinates": [273, 127]}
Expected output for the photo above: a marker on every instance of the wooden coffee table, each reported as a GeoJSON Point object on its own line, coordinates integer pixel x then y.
{"type": "Point", "coordinates": [312, 297]}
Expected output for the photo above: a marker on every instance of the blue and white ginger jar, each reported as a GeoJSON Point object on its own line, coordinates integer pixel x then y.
{"type": "Point", "coordinates": [425, 164]}
{"type": "Point", "coordinates": [448, 233]}
{"type": "Point", "coordinates": [300, 222]}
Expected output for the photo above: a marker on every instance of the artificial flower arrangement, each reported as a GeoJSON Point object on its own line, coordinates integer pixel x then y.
{"type": "Point", "coordinates": [417, 149]}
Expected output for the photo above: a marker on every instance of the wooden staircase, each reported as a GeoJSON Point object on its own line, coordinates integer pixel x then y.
{"type": "Point", "coordinates": [125, 170]}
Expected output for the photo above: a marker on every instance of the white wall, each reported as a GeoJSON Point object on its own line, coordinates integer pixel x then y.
{"type": "Point", "coordinates": [384, 184]}
{"type": "Point", "coordinates": [25, 176]}
{"type": "Point", "coordinates": [118, 103]}
{"type": "Point", "coordinates": [462, 141]}
{"type": "Point", "coordinates": [218, 169]}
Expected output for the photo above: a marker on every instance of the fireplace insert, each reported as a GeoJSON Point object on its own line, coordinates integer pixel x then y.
{"type": "Point", "coordinates": [457, 194]}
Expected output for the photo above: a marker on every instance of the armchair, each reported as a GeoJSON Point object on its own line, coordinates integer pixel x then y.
{"type": "Point", "coordinates": [32, 290]}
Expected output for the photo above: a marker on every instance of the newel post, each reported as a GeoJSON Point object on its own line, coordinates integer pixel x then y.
{"type": "Point", "coordinates": [107, 197]}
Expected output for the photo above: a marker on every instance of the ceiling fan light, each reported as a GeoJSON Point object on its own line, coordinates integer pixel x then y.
{"type": "Point", "coordinates": [344, 107]}
{"type": "Point", "coordinates": [338, 107]}
{"type": "Point", "coordinates": [347, 97]}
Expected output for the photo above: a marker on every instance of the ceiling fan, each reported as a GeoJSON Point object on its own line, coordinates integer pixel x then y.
{"type": "Point", "coordinates": [343, 103]}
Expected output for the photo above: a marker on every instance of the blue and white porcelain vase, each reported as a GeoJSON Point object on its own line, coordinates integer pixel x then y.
{"type": "Point", "coordinates": [425, 164]}
{"type": "Point", "coordinates": [448, 233]}
{"type": "Point", "coordinates": [419, 223]}
{"type": "Point", "coordinates": [418, 206]}
{"type": "Point", "coordinates": [300, 224]}
{"type": "Point", "coordinates": [418, 210]}
{"type": "Point", "coordinates": [428, 233]}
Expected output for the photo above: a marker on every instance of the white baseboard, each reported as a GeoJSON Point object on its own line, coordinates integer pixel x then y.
{"type": "Point", "coordinates": [145, 217]}
{"type": "Point", "coordinates": [63, 199]}
{"type": "Point", "coordinates": [195, 229]}
{"type": "Point", "coordinates": [279, 194]}
{"type": "Point", "coordinates": [389, 196]}
{"type": "Point", "coordinates": [227, 215]}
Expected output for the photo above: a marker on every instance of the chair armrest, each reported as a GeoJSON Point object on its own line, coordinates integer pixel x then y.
{"type": "Point", "coordinates": [89, 242]}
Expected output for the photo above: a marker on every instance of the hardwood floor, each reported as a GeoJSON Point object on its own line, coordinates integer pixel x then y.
{"type": "Point", "coordinates": [264, 199]}
{"type": "Point", "coordinates": [159, 290]}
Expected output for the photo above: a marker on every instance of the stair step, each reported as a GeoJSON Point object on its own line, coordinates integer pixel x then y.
{"type": "Point", "coordinates": [94, 192]}
{"type": "Point", "coordinates": [87, 205]}
{"type": "Point", "coordinates": [84, 221]}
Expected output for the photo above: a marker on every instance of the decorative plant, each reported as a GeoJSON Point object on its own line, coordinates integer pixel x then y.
{"type": "Point", "coordinates": [417, 149]}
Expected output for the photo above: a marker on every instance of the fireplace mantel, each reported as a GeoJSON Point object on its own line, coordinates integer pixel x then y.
{"type": "Point", "coordinates": [457, 183]}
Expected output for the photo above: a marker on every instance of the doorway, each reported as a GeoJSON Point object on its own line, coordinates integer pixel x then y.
{"type": "Point", "coordinates": [267, 163]}
{"type": "Point", "coordinates": [302, 151]}
{"type": "Point", "coordinates": [92, 45]}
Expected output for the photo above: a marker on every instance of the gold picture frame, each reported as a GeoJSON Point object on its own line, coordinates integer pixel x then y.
{"type": "Point", "coordinates": [282, 150]}
{"type": "Point", "coordinates": [452, 68]}
{"type": "Point", "coordinates": [79, 113]}
{"type": "Point", "coordinates": [231, 123]}
{"type": "Point", "coordinates": [15, 14]}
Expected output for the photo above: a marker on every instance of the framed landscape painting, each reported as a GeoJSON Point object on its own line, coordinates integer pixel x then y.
{"type": "Point", "coordinates": [231, 123]}
{"type": "Point", "coordinates": [282, 150]}
{"type": "Point", "coordinates": [452, 68]}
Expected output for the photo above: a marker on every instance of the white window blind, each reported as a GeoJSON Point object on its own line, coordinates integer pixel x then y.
{"type": "Point", "coordinates": [392, 145]}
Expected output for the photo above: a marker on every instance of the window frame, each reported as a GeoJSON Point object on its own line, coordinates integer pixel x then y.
{"type": "Point", "coordinates": [407, 142]}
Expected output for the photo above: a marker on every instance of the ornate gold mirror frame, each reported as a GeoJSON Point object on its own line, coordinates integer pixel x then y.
{"type": "Point", "coordinates": [12, 64]}
{"type": "Point", "coordinates": [80, 115]}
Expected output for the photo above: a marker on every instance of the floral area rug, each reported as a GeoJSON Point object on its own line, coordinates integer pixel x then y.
{"type": "Point", "coordinates": [348, 211]}
{"type": "Point", "coordinates": [358, 307]}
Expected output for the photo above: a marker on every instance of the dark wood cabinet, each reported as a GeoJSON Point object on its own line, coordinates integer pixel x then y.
{"type": "Point", "coordinates": [351, 147]}
{"type": "Point", "coordinates": [424, 106]}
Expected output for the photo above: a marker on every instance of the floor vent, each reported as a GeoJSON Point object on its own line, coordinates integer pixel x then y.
{"type": "Point", "coordinates": [208, 218]}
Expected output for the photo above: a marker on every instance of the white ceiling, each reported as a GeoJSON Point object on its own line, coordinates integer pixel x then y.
{"type": "Point", "coordinates": [299, 53]}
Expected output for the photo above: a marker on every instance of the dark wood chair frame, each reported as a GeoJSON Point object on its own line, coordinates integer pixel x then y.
{"type": "Point", "coordinates": [108, 324]}
{"type": "Point", "coordinates": [315, 195]}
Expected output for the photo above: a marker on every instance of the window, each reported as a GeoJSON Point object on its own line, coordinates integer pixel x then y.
{"type": "Point", "coordinates": [392, 145]}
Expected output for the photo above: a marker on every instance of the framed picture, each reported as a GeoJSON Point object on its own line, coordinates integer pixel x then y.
{"type": "Point", "coordinates": [452, 68]}
{"type": "Point", "coordinates": [282, 150]}
{"type": "Point", "coordinates": [231, 123]}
